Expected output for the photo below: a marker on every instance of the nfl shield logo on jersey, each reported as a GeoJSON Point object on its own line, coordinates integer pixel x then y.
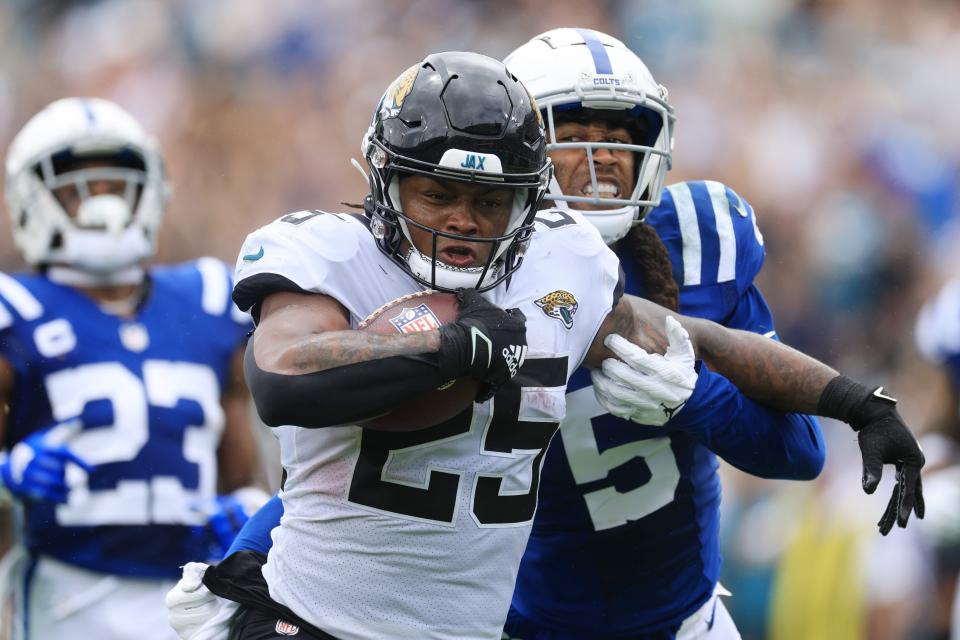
{"type": "Point", "coordinates": [419, 318]}
{"type": "Point", "coordinates": [285, 628]}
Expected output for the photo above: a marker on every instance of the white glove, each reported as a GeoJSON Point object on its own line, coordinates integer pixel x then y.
{"type": "Point", "coordinates": [647, 388]}
{"type": "Point", "coordinates": [218, 627]}
{"type": "Point", "coordinates": [195, 612]}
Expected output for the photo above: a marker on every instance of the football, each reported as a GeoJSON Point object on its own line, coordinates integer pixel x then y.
{"type": "Point", "coordinates": [422, 311]}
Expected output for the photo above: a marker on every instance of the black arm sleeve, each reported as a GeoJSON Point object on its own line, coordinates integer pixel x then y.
{"type": "Point", "coordinates": [342, 395]}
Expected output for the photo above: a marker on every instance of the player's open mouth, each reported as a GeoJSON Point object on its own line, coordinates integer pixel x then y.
{"type": "Point", "coordinates": [458, 256]}
{"type": "Point", "coordinates": [605, 189]}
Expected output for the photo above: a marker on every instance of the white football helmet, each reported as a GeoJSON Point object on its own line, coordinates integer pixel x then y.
{"type": "Point", "coordinates": [568, 69]}
{"type": "Point", "coordinates": [108, 233]}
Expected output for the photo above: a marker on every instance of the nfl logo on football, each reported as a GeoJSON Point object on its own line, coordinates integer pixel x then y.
{"type": "Point", "coordinates": [420, 318]}
{"type": "Point", "coordinates": [285, 628]}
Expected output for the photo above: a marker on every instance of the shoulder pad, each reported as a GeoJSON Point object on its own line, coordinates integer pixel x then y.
{"type": "Point", "coordinates": [557, 218]}
{"type": "Point", "coordinates": [293, 252]}
{"type": "Point", "coordinates": [17, 301]}
{"type": "Point", "coordinates": [710, 232]}
{"type": "Point", "coordinates": [332, 236]}
{"type": "Point", "coordinates": [576, 234]}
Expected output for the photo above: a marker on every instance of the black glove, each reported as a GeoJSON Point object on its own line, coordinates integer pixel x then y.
{"type": "Point", "coordinates": [884, 439]}
{"type": "Point", "coordinates": [486, 342]}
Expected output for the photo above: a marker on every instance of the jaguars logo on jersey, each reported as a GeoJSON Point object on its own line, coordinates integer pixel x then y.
{"type": "Point", "coordinates": [559, 305]}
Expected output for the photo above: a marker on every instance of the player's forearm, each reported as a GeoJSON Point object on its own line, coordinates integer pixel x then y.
{"type": "Point", "coordinates": [322, 351]}
{"type": "Point", "coordinates": [765, 370]}
{"type": "Point", "coordinates": [346, 394]}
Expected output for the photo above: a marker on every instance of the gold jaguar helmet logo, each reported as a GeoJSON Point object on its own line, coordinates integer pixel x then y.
{"type": "Point", "coordinates": [536, 108]}
{"type": "Point", "coordinates": [398, 91]}
{"type": "Point", "coordinates": [560, 305]}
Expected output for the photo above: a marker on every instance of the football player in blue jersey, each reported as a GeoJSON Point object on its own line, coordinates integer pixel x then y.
{"type": "Point", "coordinates": [625, 543]}
{"type": "Point", "coordinates": [126, 411]}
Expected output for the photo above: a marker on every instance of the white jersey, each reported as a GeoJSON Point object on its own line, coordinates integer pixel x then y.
{"type": "Point", "coordinates": [420, 534]}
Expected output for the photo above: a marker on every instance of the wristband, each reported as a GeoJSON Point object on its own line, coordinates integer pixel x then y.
{"type": "Point", "coordinates": [852, 402]}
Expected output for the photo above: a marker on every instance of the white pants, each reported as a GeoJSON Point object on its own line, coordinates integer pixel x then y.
{"type": "Point", "coordinates": [712, 621]}
{"type": "Point", "coordinates": [69, 603]}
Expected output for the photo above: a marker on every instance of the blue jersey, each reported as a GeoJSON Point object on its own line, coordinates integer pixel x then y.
{"type": "Point", "coordinates": [147, 392]}
{"type": "Point", "coordinates": [625, 540]}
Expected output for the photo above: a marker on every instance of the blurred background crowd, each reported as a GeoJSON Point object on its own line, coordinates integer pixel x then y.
{"type": "Point", "coordinates": [834, 118]}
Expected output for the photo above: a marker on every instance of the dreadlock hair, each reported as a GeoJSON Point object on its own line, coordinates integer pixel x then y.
{"type": "Point", "coordinates": [655, 269]}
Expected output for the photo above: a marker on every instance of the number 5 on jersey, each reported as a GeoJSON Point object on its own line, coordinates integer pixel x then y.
{"type": "Point", "coordinates": [608, 507]}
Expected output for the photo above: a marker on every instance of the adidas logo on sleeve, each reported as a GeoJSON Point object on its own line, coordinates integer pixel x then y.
{"type": "Point", "coordinates": [514, 355]}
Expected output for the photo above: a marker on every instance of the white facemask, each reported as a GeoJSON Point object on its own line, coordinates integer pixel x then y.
{"type": "Point", "coordinates": [110, 212]}
{"type": "Point", "coordinates": [101, 248]}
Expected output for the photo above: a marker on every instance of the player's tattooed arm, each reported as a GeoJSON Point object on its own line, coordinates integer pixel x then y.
{"type": "Point", "coordinates": [765, 370]}
{"type": "Point", "coordinates": [301, 334]}
{"type": "Point", "coordinates": [330, 349]}
{"type": "Point", "coordinates": [785, 379]}
{"type": "Point", "coordinates": [630, 319]}
{"type": "Point", "coordinates": [306, 367]}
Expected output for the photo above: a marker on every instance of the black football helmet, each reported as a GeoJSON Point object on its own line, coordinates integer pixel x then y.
{"type": "Point", "coordinates": [456, 116]}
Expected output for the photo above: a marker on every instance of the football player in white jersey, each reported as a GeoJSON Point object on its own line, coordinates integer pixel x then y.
{"type": "Point", "coordinates": [418, 532]}
{"type": "Point", "coordinates": [125, 402]}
